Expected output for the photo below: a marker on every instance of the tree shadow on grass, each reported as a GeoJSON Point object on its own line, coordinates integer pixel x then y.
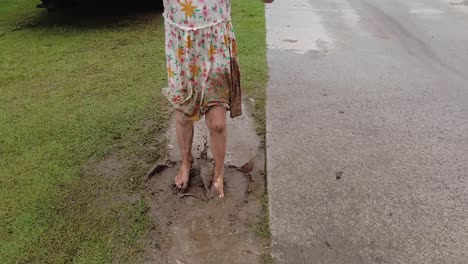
{"type": "Point", "coordinates": [93, 15]}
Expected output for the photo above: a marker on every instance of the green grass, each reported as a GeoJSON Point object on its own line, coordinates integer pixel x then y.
{"type": "Point", "coordinates": [249, 22]}
{"type": "Point", "coordinates": [73, 89]}
{"type": "Point", "coordinates": [263, 228]}
{"type": "Point", "coordinates": [266, 258]}
{"type": "Point", "coordinates": [263, 231]}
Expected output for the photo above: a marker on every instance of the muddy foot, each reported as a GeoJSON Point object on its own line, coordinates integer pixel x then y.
{"type": "Point", "coordinates": [217, 186]}
{"type": "Point", "coordinates": [183, 175]}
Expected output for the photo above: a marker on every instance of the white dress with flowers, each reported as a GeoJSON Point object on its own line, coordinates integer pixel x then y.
{"type": "Point", "coordinates": [200, 54]}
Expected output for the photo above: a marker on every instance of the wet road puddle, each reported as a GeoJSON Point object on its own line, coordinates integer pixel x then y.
{"type": "Point", "coordinates": [299, 33]}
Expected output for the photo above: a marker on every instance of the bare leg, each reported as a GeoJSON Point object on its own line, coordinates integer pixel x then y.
{"type": "Point", "coordinates": [216, 122]}
{"type": "Point", "coordinates": [184, 131]}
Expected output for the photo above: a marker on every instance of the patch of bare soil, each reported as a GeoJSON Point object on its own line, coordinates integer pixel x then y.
{"type": "Point", "coordinates": [196, 227]}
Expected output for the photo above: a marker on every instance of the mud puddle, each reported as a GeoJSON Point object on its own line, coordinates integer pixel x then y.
{"type": "Point", "coordinates": [196, 227]}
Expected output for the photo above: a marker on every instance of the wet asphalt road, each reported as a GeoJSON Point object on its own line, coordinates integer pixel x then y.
{"type": "Point", "coordinates": [367, 131]}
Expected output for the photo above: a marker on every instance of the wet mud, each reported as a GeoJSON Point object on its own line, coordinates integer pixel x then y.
{"type": "Point", "coordinates": [196, 226]}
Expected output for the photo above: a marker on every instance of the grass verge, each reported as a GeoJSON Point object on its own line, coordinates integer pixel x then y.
{"type": "Point", "coordinates": [263, 231]}
{"type": "Point", "coordinates": [249, 21]}
{"type": "Point", "coordinates": [263, 228]}
{"type": "Point", "coordinates": [74, 88]}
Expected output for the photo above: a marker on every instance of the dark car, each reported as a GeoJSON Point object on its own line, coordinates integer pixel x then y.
{"type": "Point", "coordinates": [57, 4]}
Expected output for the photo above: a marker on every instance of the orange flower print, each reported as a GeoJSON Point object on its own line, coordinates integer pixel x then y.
{"type": "Point", "coordinates": [189, 42]}
{"type": "Point", "coordinates": [180, 52]}
{"type": "Point", "coordinates": [212, 50]}
{"type": "Point", "coordinates": [188, 8]}
{"type": "Point", "coordinates": [170, 72]}
{"type": "Point", "coordinates": [194, 70]}
{"type": "Point", "coordinates": [201, 52]}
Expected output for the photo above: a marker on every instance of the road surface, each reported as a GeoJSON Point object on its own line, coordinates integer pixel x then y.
{"type": "Point", "coordinates": [367, 131]}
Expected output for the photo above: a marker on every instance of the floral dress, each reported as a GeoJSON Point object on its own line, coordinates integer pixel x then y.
{"type": "Point", "coordinates": [201, 57]}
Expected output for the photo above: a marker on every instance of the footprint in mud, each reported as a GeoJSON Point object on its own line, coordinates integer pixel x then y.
{"type": "Point", "coordinates": [204, 230]}
{"type": "Point", "coordinates": [236, 180]}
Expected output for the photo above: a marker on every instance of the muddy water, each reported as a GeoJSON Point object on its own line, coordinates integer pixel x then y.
{"type": "Point", "coordinates": [194, 227]}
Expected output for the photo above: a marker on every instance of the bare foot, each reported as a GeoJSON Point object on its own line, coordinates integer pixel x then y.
{"type": "Point", "coordinates": [182, 177]}
{"type": "Point", "coordinates": [218, 184]}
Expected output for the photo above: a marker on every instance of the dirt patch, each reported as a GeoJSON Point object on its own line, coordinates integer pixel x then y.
{"type": "Point", "coordinates": [110, 168]}
{"type": "Point", "coordinates": [197, 227]}
{"type": "Point", "coordinates": [193, 227]}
